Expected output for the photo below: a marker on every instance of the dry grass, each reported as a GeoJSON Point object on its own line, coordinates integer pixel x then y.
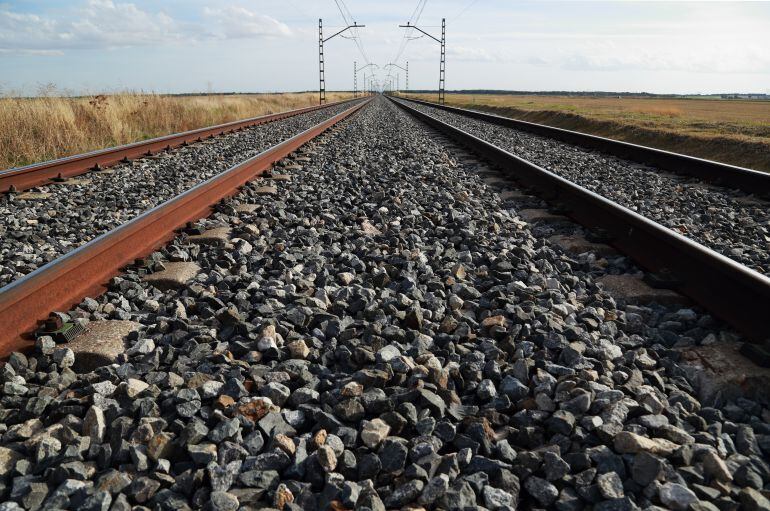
{"type": "Point", "coordinates": [731, 131]}
{"type": "Point", "coordinates": [44, 128]}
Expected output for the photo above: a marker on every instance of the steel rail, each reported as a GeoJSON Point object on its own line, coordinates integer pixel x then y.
{"type": "Point", "coordinates": [86, 270]}
{"type": "Point", "coordinates": [726, 288]}
{"type": "Point", "coordinates": [22, 178]}
{"type": "Point", "coordinates": [747, 180]}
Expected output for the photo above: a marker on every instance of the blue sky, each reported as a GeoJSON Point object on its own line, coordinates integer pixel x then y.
{"type": "Point", "coordinates": [265, 45]}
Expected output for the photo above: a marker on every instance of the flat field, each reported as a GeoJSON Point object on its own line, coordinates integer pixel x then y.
{"type": "Point", "coordinates": [44, 128]}
{"type": "Point", "coordinates": [730, 131]}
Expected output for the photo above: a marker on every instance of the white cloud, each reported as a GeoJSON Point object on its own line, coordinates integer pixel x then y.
{"type": "Point", "coordinates": [466, 53]}
{"type": "Point", "coordinates": [706, 58]}
{"type": "Point", "coordinates": [95, 24]}
{"type": "Point", "coordinates": [5, 51]}
{"type": "Point", "coordinates": [456, 53]}
{"type": "Point", "coordinates": [104, 23]}
{"type": "Point", "coordinates": [99, 24]}
{"type": "Point", "coordinates": [683, 48]}
{"type": "Point", "coordinates": [234, 22]}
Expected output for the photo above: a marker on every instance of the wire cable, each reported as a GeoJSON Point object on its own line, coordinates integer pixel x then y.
{"type": "Point", "coordinates": [301, 12]}
{"type": "Point", "coordinates": [347, 17]}
{"type": "Point", "coordinates": [470, 4]}
{"type": "Point", "coordinates": [408, 33]}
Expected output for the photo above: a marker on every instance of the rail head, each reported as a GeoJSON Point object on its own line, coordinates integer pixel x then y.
{"type": "Point", "coordinates": [747, 180]}
{"type": "Point", "coordinates": [728, 289]}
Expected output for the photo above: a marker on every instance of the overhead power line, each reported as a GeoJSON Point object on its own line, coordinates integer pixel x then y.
{"type": "Point", "coordinates": [349, 20]}
{"type": "Point", "coordinates": [301, 12]}
{"type": "Point", "coordinates": [470, 4]}
{"type": "Point", "coordinates": [408, 34]}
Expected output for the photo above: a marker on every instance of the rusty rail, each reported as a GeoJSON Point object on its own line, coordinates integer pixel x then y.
{"type": "Point", "coordinates": [86, 270]}
{"type": "Point", "coordinates": [22, 178]}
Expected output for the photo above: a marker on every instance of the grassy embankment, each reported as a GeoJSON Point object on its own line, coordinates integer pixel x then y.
{"type": "Point", "coordinates": [730, 131]}
{"type": "Point", "coordinates": [44, 128]}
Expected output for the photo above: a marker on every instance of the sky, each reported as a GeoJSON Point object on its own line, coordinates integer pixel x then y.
{"type": "Point", "coordinates": [93, 46]}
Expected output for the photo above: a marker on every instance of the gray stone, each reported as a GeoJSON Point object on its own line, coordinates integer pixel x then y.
{"type": "Point", "coordinates": [495, 498]}
{"type": "Point", "coordinates": [715, 467]}
{"type": "Point", "coordinates": [434, 490]}
{"type": "Point", "coordinates": [404, 494]}
{"type": "Point", "coordinates": [392, 454]}
{"type": "Point", "coordinates": [646, 468]}
{"type": "Point", "coordinates": [223, 501]}
{"type": "Point", "coordinates": [544, 492]}
{"type": "Point", "coordinates": [752, 500]}
{"type": "Point", "coordinates": [676, 496]}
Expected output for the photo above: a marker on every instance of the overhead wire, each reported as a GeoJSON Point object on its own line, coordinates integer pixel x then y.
{"type": "Point", "coordinates": [347, 17]}
{"type": "Point", "coordinates": [468, 6]}
{"type": "Point", "coordinates": [301, 12]}
{"type": "Point", "coordinates": [408, 33]}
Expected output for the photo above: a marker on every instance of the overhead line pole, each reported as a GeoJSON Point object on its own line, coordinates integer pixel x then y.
{"type": "Point", "coordinates": [391, 82]}
{"type": "Point", "coordinates": [355, 76]}
{"type": "Point", "coordinates": [442, 65]}
{"type": "Point", "coordinates": [403, 69]}
{"type": "Point", "coordinates": [321, 77]}
{"type": "Point", "coordinates": [321, 71]}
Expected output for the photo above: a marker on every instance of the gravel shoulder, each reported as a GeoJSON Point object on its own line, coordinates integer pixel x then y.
{"type": "Point", "coordinates": [384, 333]}
{"type": "Point", "coordinates": [727, 221]}
{"type": "Point", "coordinates": [36, 231]}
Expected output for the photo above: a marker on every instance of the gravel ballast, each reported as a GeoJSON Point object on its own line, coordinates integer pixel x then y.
{"type": "Point", "coordinates": [382, 333]}
{"type": "Point", "coordinates": [36, 231]}
{"type": "Point", "coordinates": [727, 221]}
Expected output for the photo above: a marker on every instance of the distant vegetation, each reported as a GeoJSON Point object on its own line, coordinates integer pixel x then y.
{"type": "Point", "coordinates": [735, 131]}
{"type": "Point", "coordinates": [603, 94]}
{"type": "Point", "coordinates": [51, 126]}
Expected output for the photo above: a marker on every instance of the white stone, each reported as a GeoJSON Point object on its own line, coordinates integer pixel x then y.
{"type": "Point", "coordinates": [94, 424]}
{"type": "Point", "coordinates": [345, 278]}
{"type": "Point", "coordinates": [135, 387]}
{"type": "Point", "coordinates": [373, 432]}
{"type": "Point", "coordinates": [627, 442]}
{"type": "Point", "coordinates": [266, 343]}
{"type": "Point", "coordinates": [388, 353]}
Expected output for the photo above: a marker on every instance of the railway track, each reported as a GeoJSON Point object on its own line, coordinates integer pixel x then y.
{"type": "Point", "coordinates": [732, 290]}
{"type": "Point", "coordinates": [56, 217]}
{"type": "Point", "coordinates": [379, 330]}
{"type": "Point", "coordinates": [22, 178]}
{"type": "Point", "coordinates": [729, 217]}
{"type": "Point", "coordinates": [87, 268]}
{"type": "Point", "coordinates": [748, 180]}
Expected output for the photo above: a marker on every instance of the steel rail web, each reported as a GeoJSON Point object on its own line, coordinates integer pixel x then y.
{"type": "Point", "coordinates": [745, 179]}
{"type": "Point", "coordinates": [86, 270]}
{"type": "Point", "coordinates": [22, 178]}
{"type": "Point", "coordinates": [726, 288]}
